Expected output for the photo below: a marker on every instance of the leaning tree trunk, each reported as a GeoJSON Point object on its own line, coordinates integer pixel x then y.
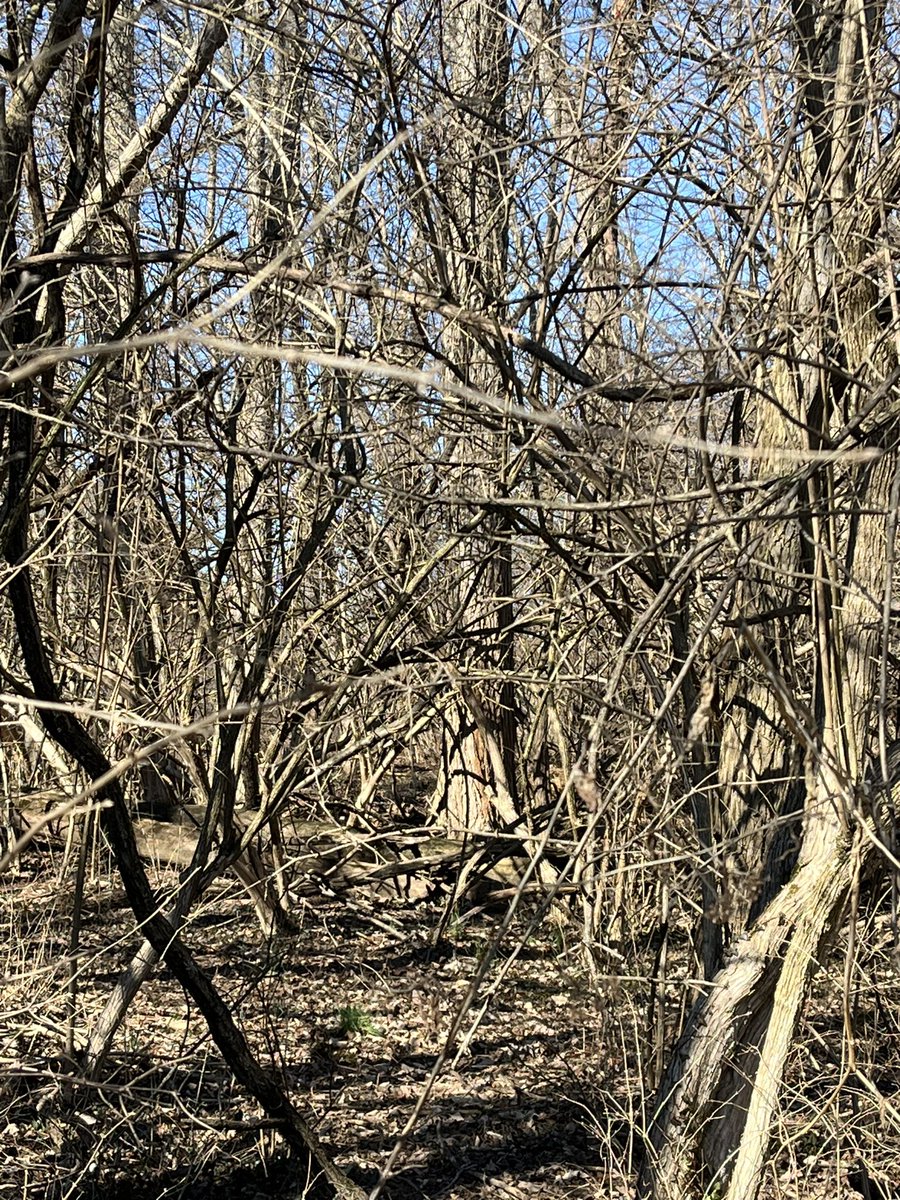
{"type": "Point", "coordinates": [719, 1098]}
{"type": "Point", "coordinates": [29, 325]}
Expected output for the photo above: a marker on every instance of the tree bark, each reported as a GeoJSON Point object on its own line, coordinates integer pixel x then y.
{"type": "Point", "coordinates": [474, 187]}
{"type": "Point", "coordinates": [720, 1096]}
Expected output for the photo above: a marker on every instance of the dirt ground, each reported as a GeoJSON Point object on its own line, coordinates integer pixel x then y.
{"type": "Point", "coordinates": [351, 1012]}
{"type": "Point", "coordinates": [541, 1096]}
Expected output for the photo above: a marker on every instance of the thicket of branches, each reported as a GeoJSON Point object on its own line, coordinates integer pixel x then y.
{"type": "Point", "coordinates": [504, 397]}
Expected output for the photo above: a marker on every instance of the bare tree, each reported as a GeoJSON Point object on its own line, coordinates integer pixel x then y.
{"type": "Point", "coordinates": [508, 392]}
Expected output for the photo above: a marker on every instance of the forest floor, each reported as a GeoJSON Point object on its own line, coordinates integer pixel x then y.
{"type": "Point", "coordinates": [351, 1012]}
{"type": "Point", "coordinates": [540, 1098]}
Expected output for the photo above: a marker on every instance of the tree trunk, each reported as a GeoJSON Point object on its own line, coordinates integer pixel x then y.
{"type": "Point", "coordinates": [719, 1098]}
{"type": "Point", "coordinates": [476, 784]}
{"type": "Point", "coordinates": [71, 736]}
